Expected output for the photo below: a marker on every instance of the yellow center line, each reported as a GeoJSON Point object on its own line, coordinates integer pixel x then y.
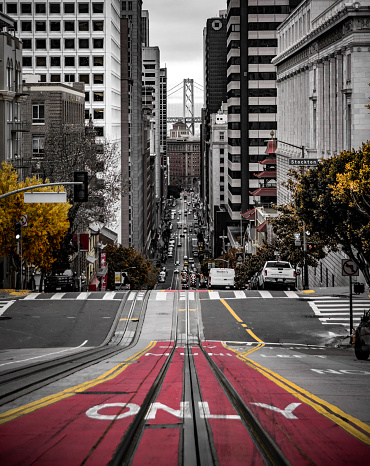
{"type": "Point", "coordinates": [354, 426]}
{"type": "Point", "coordinates": [109, 375]}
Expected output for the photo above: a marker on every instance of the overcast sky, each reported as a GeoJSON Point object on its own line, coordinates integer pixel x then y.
{"type": "Point", "coordinates": [176, 27]}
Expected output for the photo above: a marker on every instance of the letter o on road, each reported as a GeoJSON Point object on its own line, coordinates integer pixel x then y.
{"type": "Point", "coordinates": [93, 412]}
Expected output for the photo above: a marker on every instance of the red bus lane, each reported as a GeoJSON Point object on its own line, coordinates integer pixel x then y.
{"type": "Point", "coordinates": [306, 429]}
{"type": "Point", "coordinates": [87, 425]}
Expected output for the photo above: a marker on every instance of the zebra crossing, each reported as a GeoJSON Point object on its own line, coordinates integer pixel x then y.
{"type": "Point", "coordinates": [337, 311]}
{"type": "Point", "coordinates": [4, 305]}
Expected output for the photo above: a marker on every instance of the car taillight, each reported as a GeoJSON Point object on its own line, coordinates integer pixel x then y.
{"type": "Point", "coordinates": [265, 272]}
{"type": "Point", "coordinates": [295, 274]}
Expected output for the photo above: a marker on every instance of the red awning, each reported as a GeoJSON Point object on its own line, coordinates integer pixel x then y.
{"type": "Point", "coordinates": [249, 214]}
{"type": "Point", "coordinates": [271, 147]}
{"type": "Point", "coordinates": [262, 227]}
{"type": "Point", "coordinates": [264, 192]}
{"type": "Point", "coordinates": [266, 174]}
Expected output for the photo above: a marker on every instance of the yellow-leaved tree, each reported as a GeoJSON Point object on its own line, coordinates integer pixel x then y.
{"type": "Point", "coordinates": [47, 223]}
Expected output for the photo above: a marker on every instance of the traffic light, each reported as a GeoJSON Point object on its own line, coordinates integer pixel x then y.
{"type": "Point", "coordinates": [18, 230]}
{"type": "Point", "coordinates": [81, 191]}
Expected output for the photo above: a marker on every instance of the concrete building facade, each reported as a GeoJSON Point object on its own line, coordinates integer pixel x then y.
{"type": "Point", "coordinates": [323, 69]}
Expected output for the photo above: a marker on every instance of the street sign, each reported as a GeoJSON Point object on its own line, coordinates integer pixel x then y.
{"type": "Point", "coordinates": [304, 162]}
{"type": "Point", "coordinates": [349, 268]}
{"type": "Point", "coordinates": [45, 197]}
{"type": "Point", "coordinates": [23, 220]}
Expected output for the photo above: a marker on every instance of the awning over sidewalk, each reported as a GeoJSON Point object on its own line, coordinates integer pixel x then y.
{"type": "Point", "coordinates": [262, 228]}
{"type": "Point", "coordinates": [264, 192]}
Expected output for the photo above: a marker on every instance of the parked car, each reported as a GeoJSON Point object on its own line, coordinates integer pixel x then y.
{"type": "Point", "coordinates": [276, 273]}
{"type": "Point", "coordinates": [362, 341]}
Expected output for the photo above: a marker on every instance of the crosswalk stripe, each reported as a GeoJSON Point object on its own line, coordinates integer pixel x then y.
{"type": "Point", "coordinates": [83, 295]}
{"type": "Point", "coordinates": [4, 306]}
{"type": "Point", "coordinates": [109, 295]}
{"type": "Point", "coordinates": [291, 294]}
{"type": "Point", "coordinates": [338, 312]}
{"type": "Point", "coordinates": [214, 295]}
{"type": "Point", "coordinates": [58, 296]}
{"type": "Point", "coordinates": [239, 294]}
{"type": "Point", "coordinates": [31, 296]}
{"type": "Point", "coordinates": [265, 294]}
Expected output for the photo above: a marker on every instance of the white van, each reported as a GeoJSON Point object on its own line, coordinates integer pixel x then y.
{"type": "Point", "coordinates": [221, 278]}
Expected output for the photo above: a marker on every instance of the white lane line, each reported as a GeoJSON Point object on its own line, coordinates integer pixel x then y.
{"type": "Point", "coordinates": [31, 296]}
{"type": "Point", "coordinates": [7, 305]}
{"type": "Point", "coordinates": [43, 355]}
{"type": "Point", "coordinates": [161, 296]}
{"type": "Point", "coordinates": [191, 295]}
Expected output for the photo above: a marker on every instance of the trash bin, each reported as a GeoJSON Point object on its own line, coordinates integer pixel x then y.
{"type": "Point", "coordinates": [358, 288]}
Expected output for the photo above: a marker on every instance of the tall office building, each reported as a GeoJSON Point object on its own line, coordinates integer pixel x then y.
{"type": "Point", "coordinates": [133, 154]}
{"type": "Point", "coordinates": [215, 86]}
{"type": "Point", "coordinates": [74, 42]}
{"type": "Point", "coordinates": [163, 131]}
{"type": "Point", "coordinates": [251, 89]}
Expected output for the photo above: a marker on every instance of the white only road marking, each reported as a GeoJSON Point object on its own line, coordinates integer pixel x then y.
{"type": "Point", "coordinates": [265, 294]}
{"type": "Point", "coordinates": [214, 295]}
{"type": "Point", "coordinates": [287, 412]}
{"type": "Point", "coordinates": [83, 295]}
{"type": "Point", "coordinates": [109, 295]}
{"type": "Point", "coordinates": [43, 355]}
{"type": "Point", "coordinates": [5, 307]}
{"type": "Point", "coordinates": [58, 296]}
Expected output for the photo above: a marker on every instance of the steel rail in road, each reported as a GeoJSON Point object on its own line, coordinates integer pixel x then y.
{"type": "Point", "coordinates": [19, 382]}
{"type": "Point", "coordinates": [196, 443]}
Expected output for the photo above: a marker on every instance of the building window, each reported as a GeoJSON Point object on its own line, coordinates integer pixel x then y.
{"type": "Point", "coordinates": [69, 43]}
{"type": "Point", "coordinates": [83, 7]}
{"type": "Point", "coordinates": [69, 8]}
{"type": "Point", "coordinates": [40, 8]}
{"type": "Point", "coordinates": [54, 26]}
{"type": "Point", "coordinates": [98, 61]}
{"type": "Point", "coordinates": [11, 8]}
{"type": "Point", "coordinates": [222, 136]}
{"type": "Point", "coordinates": [87, 96]}
{"type": "Point", "coordinates": [98, 7]}
{"type": "Point", "coordinates": [54, 8]}
{"type": "Point", "coordinates": [27, 44]}
{"type": "Point", "coordinates": [69, 26]}
{"type": "Point", "coordinates": [41, 26]}
{"type": "Point", "coordinates": [55, 61]}
{"type": "Point", "coordinates": [98, 25]}
{"type": "Point", "coordinates": [69, 78]}
{"type": "Point", "coordinates": [55, 44]}
{"type": "Point", "coordinates": [98, 79]}
{"type": "Point", "coordinates": [42, 78]}
{"type": "Point", "coordinates": [84, 78]}
{"type": "Point", "coordinates": [83, 26]}
{"type": "Point", "coordinates": [40, 44]}
{"type": "Point", "coordinates": [26, 61]}
{"type": "Point", "coordinates": [69, 61]}
{"type": "Point", "coordinates": [55, 78]}
{"type": "Point", "coordinates": [98, 43]}
{"type": "Point", "coordinates": [38, 146]}
{"type": "Point", "coordinates": [99, 131]}
{"type": "Point", "coordinates": [26, 8]}
{"type": "Point", "coordinates": [26, 26]}
{"type": "Point", "coordinates": [83, 43]}
{"type": "Point", "coordinates": [98, 114]}
{"type": "Point", "coordinates": [83, 61]}
{"type": "Point", "coordinates": [38, 112]}
{"type": "Point", "coordinates": [40, 61]}
{"type": "Point", "coordinates": [98, 96]}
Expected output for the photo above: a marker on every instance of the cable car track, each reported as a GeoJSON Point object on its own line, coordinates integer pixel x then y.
{"type": "Point", "coordinates": [197, 446]}
{"type": "Point", "coordinates": [18, 382]}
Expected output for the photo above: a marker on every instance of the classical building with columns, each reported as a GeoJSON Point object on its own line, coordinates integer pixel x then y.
{"type": "Point", "coordinates": [323, 75]}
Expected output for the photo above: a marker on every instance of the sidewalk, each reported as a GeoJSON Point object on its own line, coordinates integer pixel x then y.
{"type": "Point", "coordinates": [336, 291]}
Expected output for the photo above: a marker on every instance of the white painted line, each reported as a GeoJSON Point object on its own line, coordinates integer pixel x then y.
{"type": "Point", "coordinates": [214, 295]}
{"type": "Point", "coordinates": [6, 306]}
{"type": "Point", "coordinates": [58, 296]}
{"type": "Point", "coordinates": [109, 295]}
{"type": "Point", "coordinates": [31, 296]}
{"type": "Point", "coordinates": [265, 294]}
{"type": "Point", "coordinates": [131, 296]}
{"type": "Point", "coordinates": [161, 296]}
{"type": "Point", "coordinates": [191, 295]}
{"type": "Point", "coordinates": [43, 355]}
{"type": "Point", "coordinates": [83, 295]}
{"type": "Point", "coordinates": [239, 294]}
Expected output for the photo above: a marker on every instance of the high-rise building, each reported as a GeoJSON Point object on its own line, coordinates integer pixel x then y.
{"type": "Point", "coordinates": [133, 154]}
{"type": "Point", "coordinates": [251, 91]}
{"type": "Point", "coordinates": [66, 42]}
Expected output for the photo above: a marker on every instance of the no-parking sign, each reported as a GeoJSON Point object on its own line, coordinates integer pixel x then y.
{"type": "Point", "coordinates": [349, 268]}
